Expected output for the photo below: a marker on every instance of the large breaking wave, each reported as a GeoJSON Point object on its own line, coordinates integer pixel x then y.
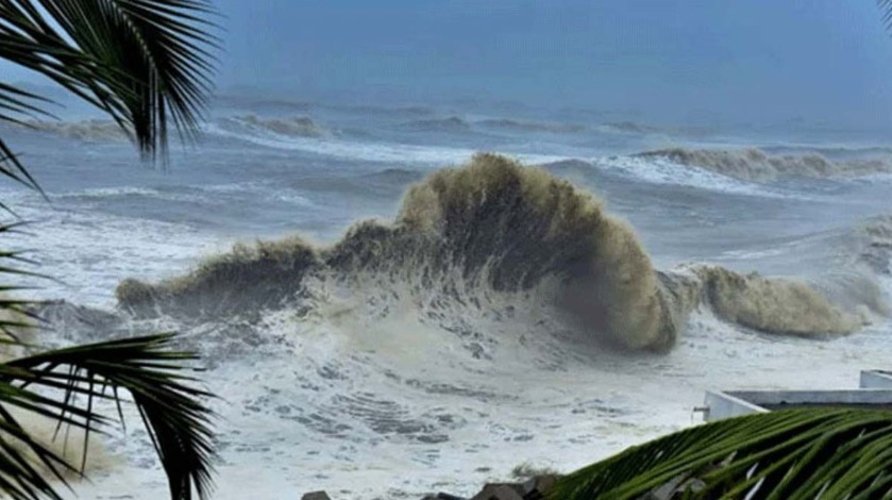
{"type": "Point", "coordinates": [494, 232]}
{"type": "Point", "coordinates": [492, 226]}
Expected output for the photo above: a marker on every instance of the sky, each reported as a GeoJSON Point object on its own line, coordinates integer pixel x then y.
{"type": "Point", "coordinates": [746, 61]}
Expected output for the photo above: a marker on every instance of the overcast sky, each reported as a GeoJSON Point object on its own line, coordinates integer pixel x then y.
{"type": "Point", "coordinates": [745, 60]}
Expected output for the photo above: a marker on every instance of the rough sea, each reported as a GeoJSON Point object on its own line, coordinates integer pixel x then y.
{"type": "Point", "coordinates": [386, 374]}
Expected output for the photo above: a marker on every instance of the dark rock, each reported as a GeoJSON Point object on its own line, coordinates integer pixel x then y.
{"type": "Point", "coordinates": [443, 496]}
{"type": "Point", "coordinates": [500, 491]}
{"type": "Point", "coordinates": [536, 487]}
{"type": "Point", "coordinates": [316, 495]}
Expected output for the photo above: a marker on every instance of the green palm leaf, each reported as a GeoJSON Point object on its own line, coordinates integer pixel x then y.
{"type": "Point", "coordinates": [791, 454]}
{"type": "Point", "coordinates": [64, 384]}
{"type": "Point", "coordinates": [146, 63]}
{"type": "Point", "coordinates": [16, 315]}
{"type": "Point", "coordinates": [172, 410]}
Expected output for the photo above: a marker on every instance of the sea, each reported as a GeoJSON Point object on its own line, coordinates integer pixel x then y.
{"type": "Point", "coordinates": [394, 299]}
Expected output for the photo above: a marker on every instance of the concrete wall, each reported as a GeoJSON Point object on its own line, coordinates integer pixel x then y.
{"type": "Point", "coordinates": [875, 379]}
{"type": "Point", "coordinates": [735, 403]}
{"type": "Point", "coordinates": [721, 405]}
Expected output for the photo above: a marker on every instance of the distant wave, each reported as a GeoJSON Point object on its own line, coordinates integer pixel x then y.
{"type": "Point", "coordinates": [660, 170]}
{"type": "Point", "coordinates": [456, 124]}
{"type": "Point", "coordinates": [359, 150]}
{"type": "Point", "coordinates": [830, 151]}
{"type": "Point", "coordinates": [93, 130]}
{"type": "Point", "coordinates": [246, 102]}
{"type": "Point", "coordinates": [492, 236]}
{"type": "Point", "coordinates": [756, 165]}
{"type": "Point", "coordinates": [338, 148]}
{"type": "Point", "coordinates": [531, 126]}
{"type": "Point", "coordinates": [396, 111]}
{"type": "Point", "coordinates": [387, 183]}
{"type": "Point", "coordinates": [628, 128]}
{"type": "Point", "coordinates": [299, 126]}
{"type": "Point", "coordinates": [452, 124]}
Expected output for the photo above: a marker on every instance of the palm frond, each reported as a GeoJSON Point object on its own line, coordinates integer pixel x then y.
{"type": "Point", "coordinates": [146, 63]}
{"type": "Point", "coordinates": [172, 409]}
{"type": "Point", "coordinates": [16, 315]}
{"type": "Point", "coordinates": [12, 168]}
{"type": "Point", "coordinates": [791, 454]}
{"type": "Point", "coordinates": [16, 105]}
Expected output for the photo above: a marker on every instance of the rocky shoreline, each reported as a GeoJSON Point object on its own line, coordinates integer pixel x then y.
{"type": "Point", "coordinates": [534, 488]}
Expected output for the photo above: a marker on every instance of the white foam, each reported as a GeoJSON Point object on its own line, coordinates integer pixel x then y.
{"type": "Point", "coordinates": [202, 194]}
{"type": "Point", "coordinates": [262, 190]}
{"type": "Point", "coordinates": [663, 171]}
{"type": "Point", "coordinates": [373, 152]}
{"type": "Point", "coordinates": [92, 252]}
{"type": "Point", "coordinates": [111, 192]}
{"type": "Point", "coordinates": [287, 413]}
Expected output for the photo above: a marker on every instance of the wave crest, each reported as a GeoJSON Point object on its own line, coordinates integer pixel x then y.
{"type": "Point", "coordinates": [772, 305]}
{"type": "Point", "coordinates": [245, 280]}
{"type": "Point", "coordinates": [875, 250]}
{"type": "Point", "coordinates": [752, 164]}
{"type": "Point", "coordinates": [491, 233]}
{"type": "Point", "coordinates": [452, 124]}
{"type": "Point", "coordinates": [84, 130]}
{"type": "Point", "coordinates": [629, 127]}
{"type": "Point", "coordinates": [532, 126]}
{"type": "Point", "coordinates": [298, 126]}
{"type": "Point", "coordinates": [492, 224]}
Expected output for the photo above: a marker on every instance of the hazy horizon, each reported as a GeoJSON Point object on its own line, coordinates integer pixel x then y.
{"type": "Point", "coordinates": [760, 62]}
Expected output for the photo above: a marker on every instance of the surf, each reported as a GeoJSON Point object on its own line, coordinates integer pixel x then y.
{"type": "Point", "coordinates": [486, 234]}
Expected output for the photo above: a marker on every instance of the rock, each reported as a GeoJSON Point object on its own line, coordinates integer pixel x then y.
{"type": "Point", "coordinates": [533, 489]}
{"type": "Point", "coordinates": [500, 491]}
{"type": "Point", "coordinates": [316, 495]}
{"type": "Point", "coordinates": [442, 496]}
{"type": "Point", "coordinates": [536, 487]}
